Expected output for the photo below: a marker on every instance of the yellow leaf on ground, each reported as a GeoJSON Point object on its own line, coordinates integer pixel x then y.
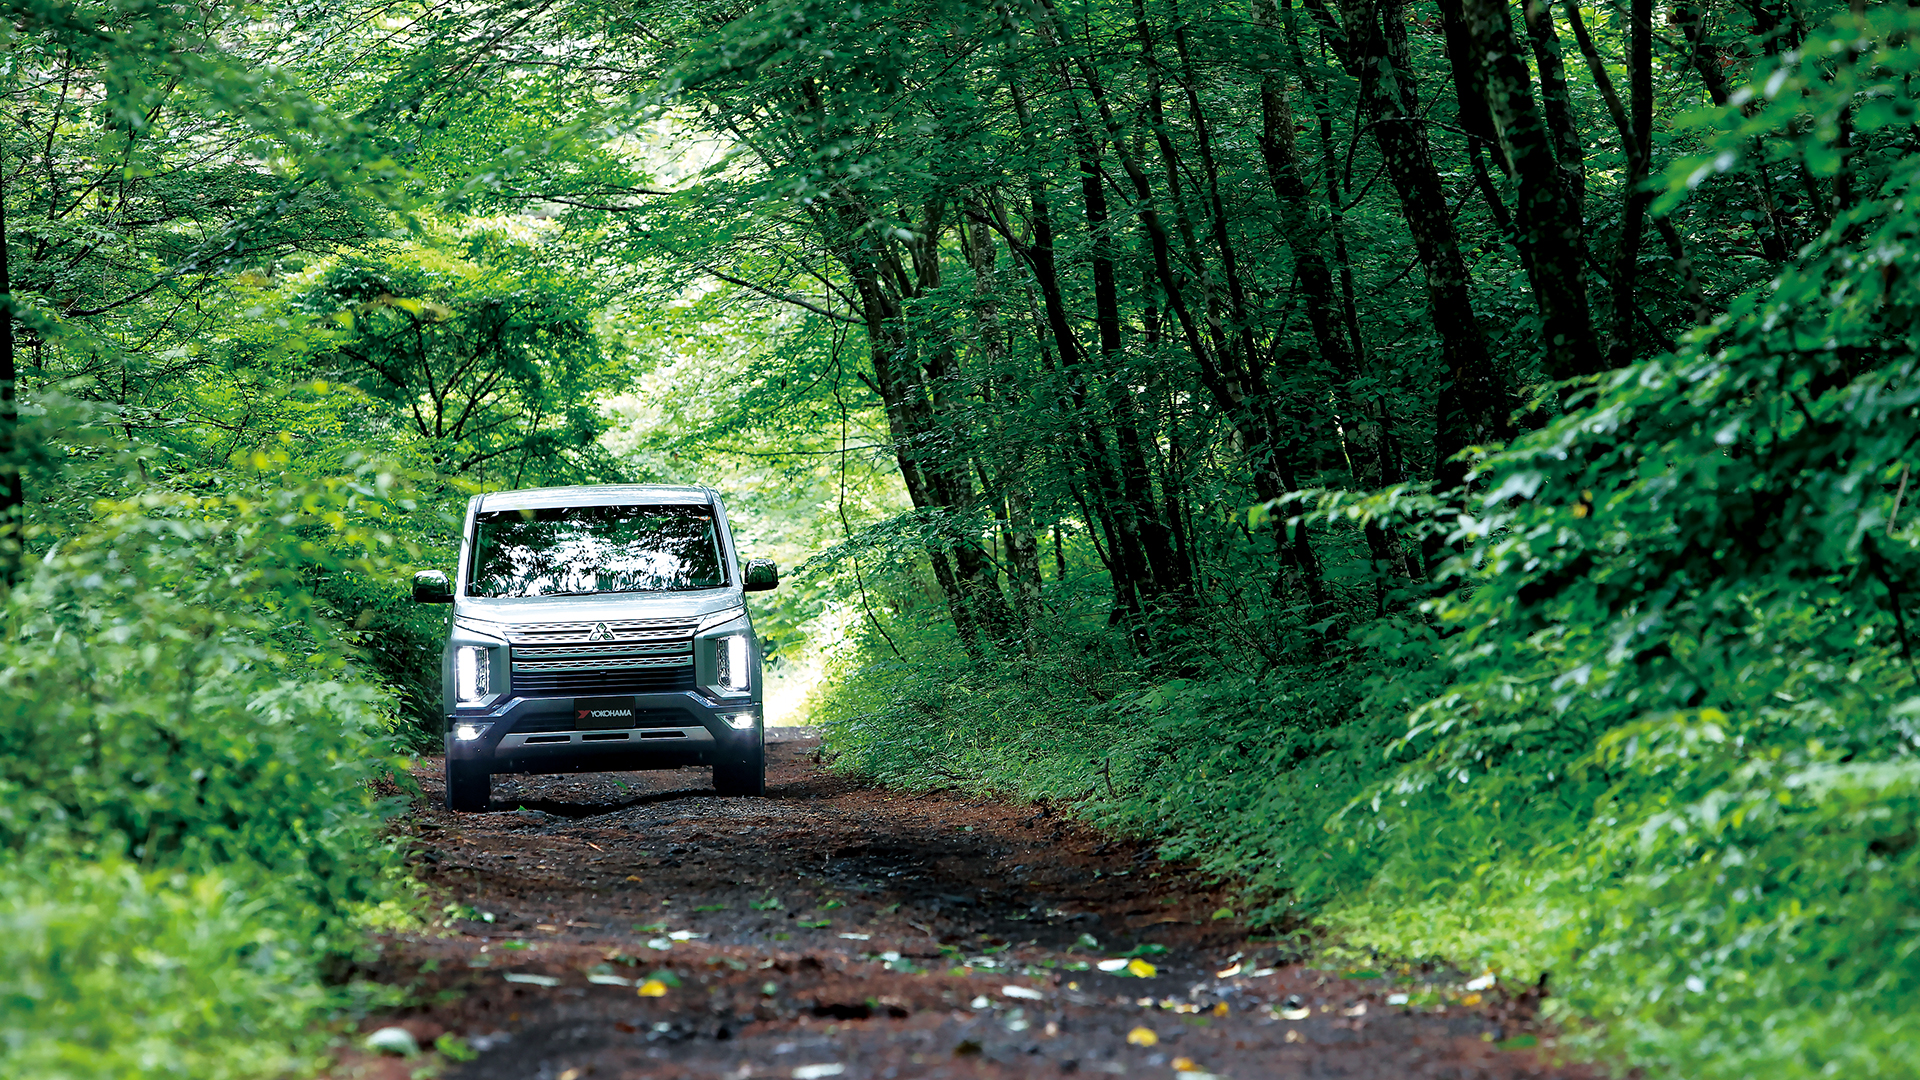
{"type": "Point", "coordinates": [1141, 969]}
{"type": "Point", "coordinates": [653, 988]}
{"type": "Point", "coordinates": [1183, 1064]}
{"type": "Point", "coordinates": [1221, 1009]}
{"type": "Point", "coordinates": [1142, 1036]}
{"type": "Point", "coordinates": [1470, 999]}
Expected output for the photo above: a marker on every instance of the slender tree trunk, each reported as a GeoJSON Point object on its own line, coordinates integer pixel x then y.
{"type": "Point", "coordinates": [1774, 227]}
{"type": "Point", "coordinates": [1140, 557]}
{"type": "Point", "coordinates": [1556, 101]}
{"type": "Point", "coordinates": [1156, 534]}
{"type": "Point", "coordinates": [1548, 218]}
{"type": "Point", "coordinates": [1473, 401]}
{"type": "Point", "coordinates": [1626, 265]}
{"type": "Point", "coordinates": [13, 498]}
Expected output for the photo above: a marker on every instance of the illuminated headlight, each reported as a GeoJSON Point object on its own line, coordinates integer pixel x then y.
{"type": "Point", "coordinates": [740, 721]}
{"type": "Point", "coordinates": [472, 674]}
{"type": "Point", "coordinates": [731, 654]}
{"type": "Point", "coordinates": [469, 732]}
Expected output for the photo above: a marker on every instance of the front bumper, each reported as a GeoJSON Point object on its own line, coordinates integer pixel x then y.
{"type": "Point", "coordinates": [548, 735]}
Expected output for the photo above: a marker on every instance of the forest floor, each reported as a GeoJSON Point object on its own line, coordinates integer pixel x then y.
{"type": "Point", "coordinates": [638, 925]}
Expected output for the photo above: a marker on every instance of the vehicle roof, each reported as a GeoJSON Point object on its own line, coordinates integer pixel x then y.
{"type": "Point", "coordinates": [598, 495]}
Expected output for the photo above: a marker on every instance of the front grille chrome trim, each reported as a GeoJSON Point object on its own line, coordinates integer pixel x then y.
{"type": "Point", "coordinates": [608, 739]}
{"type": "Point", "coordinates": [607, 664]}
{"type": "Point", "coordinates": [622, 631]}
{"type": "Point", "coordinates": [569, 652]}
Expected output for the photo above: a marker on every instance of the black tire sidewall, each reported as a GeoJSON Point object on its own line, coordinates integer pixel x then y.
{"type": "Point", "coordinates": [744, 772]}
{"type": "Point", "coordinates": [469, 789]}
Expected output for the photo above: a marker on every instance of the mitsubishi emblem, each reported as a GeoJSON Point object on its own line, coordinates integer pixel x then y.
{"type": "Point", "coordinates": [600, 633]}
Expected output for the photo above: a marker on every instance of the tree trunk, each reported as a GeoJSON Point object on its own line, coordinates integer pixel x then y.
{"type": "Point", "coordinates": [13, 498]}
{"type": "Point", "coordinates": [1556, 101]}
{"type": "Point", "coordinates": [1626, 265]}
{"type": "Point", "coordinates": [1473, 400]}
{"type": "Point", "coordinates": [1547, 216]}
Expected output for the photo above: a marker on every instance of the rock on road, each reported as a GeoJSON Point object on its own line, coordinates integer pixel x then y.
{"type": "Point", "coordinates": [638, 925]}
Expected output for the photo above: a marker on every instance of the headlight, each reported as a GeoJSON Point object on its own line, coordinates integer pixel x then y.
{"type": "Point", "coordinates": [469, 732]}
{"type": "Point", "coordinates": [730, 653]}
{"type": "Point", "coordinates": [472, 674]}
{"type": "Point", "coordinates": [741, 721]}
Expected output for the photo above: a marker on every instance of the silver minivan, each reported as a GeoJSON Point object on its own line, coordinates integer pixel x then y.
{"type": "Point", "coordinates": [599, 628]}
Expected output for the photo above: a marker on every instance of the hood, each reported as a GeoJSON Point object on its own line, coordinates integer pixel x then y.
{"type": "Point", "coordinates": [600, 607]}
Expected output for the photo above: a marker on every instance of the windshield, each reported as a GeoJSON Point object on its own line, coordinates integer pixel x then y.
{"type": "Point", "coordinates": [572, 550]}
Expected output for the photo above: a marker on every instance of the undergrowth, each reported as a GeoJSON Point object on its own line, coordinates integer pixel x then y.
{"type": "Point", "coordinates": [188, 817]}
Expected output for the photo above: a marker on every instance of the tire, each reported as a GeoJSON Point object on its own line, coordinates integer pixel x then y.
{"type": "Point", "coordinates": [469, 787]}
{"type": "Point", "coordinates": [743, 771]}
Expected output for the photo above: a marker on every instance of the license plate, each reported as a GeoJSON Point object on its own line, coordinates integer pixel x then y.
{"type": "Point", "coordinates": [597, 713]}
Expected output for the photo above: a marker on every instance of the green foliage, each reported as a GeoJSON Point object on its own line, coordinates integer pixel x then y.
{"type": "Point", "coordinates": [186, 769]}
{"type": "Point", "coordinates": [1657, 742]}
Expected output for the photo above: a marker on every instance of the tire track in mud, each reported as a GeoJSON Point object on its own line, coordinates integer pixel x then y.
{"type": "Point", "coordinates": [638, 925]}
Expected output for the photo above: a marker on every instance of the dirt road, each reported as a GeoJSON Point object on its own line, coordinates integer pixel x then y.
{"type": "Point", "coordinates": [637, 925]}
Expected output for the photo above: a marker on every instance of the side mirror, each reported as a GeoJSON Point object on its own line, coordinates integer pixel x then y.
{"type": "Point", "coordinates": [762, 575]}
{"type": "Point", "coordinates": [430, 587]}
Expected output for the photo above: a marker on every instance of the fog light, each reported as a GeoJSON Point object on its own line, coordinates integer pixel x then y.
{"type": "Point", "coordinates": [740, 721]}
{"type": "Point", "coordinates": [469, 732]}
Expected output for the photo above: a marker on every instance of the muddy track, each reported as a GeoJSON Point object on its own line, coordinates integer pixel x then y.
{"type": "Point", "coordinates": [638, 925]}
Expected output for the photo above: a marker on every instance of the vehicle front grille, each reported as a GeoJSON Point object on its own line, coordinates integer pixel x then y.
{"type": "Point", "coordinates": [602, 683]}
{"type": "Point", "coordinates": [590, 659]}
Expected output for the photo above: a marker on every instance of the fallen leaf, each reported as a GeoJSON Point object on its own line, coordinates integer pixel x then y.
{"type": "Point", "coordinates": [1142, 1036]}
{"type": "Point", "coordinates": [609, 980]}
{"type": "Point", "coordinates": [1470, 999]}
{"type": "Point", "coordinates": [633, 877]}
{"type": "Point", "coordinates": [1294, 1036]}
{"type": "Point", "coordinates": [1026, 992]}
{"type": "Point", "coordinates": [659, 943]}
{"type": "Point", "coordinates": [1220, 1008]}
{"type": "Point", "coordinates": [1223, 913]}
{"type": "Point", "coordinates": [817, 1072]}
{"type": "Point", "coordinates": [1183, 1064]}
{"type": "Point", "coordinates": [1484, 982]}
{"type": "Point", "coordinates": [570, 1074]}
{"type": "Point", "coordinates": [1357, 1010]}
{"type": "Point", "coordinates": [1227, 972]}
{"type": "Point", "coordinates": [1295, 1014]}
{"type": "Point", "coordinates": [394, 1040]}
{"type": "Point", "coordinates": [857, 937]}
{"type": "Point", "coordinates": [530, 979]}
{"type": "Point", "coordinates": [545, 927]}
{"type": "Point", "coordinates": [1141, 969]}
{"type": "Point", "coordinates": [653, 988]}
{"type": "Point", "coordinates": [1104, 965]}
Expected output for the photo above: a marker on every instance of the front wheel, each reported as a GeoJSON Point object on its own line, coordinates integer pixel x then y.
{"type": "Point", "coordinates": [469, 786]}
{"type": "Point", "coordinates": [742, 771]}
